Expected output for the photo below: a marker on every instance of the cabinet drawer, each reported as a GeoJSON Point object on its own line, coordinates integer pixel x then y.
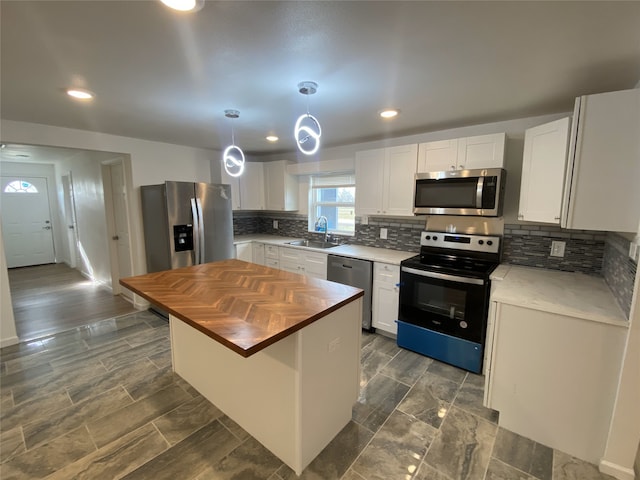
{"type": "Point", "coordinates": [271, 251]}
{"type": "Point", "coordinates": [386, 273]}
{"type": "Point", "coordinates": [270, 262]}
{"type": "Point", "coordinates": [291, 255]}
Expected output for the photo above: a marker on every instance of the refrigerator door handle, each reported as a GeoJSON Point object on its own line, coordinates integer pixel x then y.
{"type": "Point", "coordinates": [196, 231]}
{"type": "Point", "coordinates": [201, 230]}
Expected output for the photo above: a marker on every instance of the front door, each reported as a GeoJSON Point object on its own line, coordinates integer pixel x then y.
{"type": "Point", "coordinates": [26, 221]}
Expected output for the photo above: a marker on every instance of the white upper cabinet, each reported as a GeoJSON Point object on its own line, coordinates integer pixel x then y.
{"type": "Point", "coordinates": [281, 188]}
{"type": "Point", "coordinates": [369, 179]}
{"type": "Point", "coordinates": [385, 180]}
{"type": "Point", "coordinates": [603, 168]}
{"type": "Point", "coordinates": [438, 156]}
{"type": "Point", "coordinates": [247, 190]}
{"type": "Point", "coordinates": [252, 186]}
{"type": "Point", "coordinates": [481, 151]}
{"type": "Point", "coordinates": [235, 188]}
{"type": "Point", "coordinates": [543, 169]}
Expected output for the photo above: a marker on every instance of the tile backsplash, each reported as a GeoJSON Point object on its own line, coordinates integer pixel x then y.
{"type": "Point", "coordinates": [589, 252]}
{"type": "Point", "coordinates": [619, 270]}
{"type": "Point", "coordinates": [530, 245]}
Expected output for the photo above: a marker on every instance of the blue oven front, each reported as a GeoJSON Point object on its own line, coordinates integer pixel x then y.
{"type": "Point", "coordinates": [443, 316]}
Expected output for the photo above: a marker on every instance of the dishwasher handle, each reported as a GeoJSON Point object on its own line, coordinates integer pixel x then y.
{"type": "Point", "coordinates": [346, 266]}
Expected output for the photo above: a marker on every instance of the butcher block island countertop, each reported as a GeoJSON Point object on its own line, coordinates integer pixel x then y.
{"type": "Point", "coordinates": [277, 352]}
{"type": "Point", "coordinates": [244, 306]}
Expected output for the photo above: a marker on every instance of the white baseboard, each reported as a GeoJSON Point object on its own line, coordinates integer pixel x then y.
{"type": "Point", "coordinates": [6, 342]}
{"type": "Point", "coordinates": [617, 471]}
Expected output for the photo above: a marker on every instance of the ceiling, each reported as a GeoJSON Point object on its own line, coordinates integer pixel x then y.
{"type": "Point", "coordinates": [168, 76]}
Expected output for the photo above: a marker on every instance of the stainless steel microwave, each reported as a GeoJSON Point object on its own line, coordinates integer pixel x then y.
{"type": "Point", "coordinates": [460, 192]}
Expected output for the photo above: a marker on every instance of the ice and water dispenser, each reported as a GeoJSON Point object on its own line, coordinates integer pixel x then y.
{"type": "Point", "coordinates": [183, 237]}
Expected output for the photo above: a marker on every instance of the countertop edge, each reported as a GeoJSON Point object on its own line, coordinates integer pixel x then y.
{"type": "Point", "coordinates": [245, 352]}
{"type": "Point", "coordinates": [339, 250]}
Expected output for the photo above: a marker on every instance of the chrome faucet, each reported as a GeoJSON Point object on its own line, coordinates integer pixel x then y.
{"type": "Point", "coordinates": [322, 225]}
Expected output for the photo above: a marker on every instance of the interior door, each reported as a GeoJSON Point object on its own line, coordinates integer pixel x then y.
{"type": "Point", "coordinates": [120, 221]}
{"type": "Point", "coordinates": [26, 221]}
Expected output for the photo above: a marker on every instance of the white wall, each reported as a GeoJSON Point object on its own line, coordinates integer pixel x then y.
{"type": "Point", "coordinates": [8, 335]}
{"type": "Point", "coordinates": [90, 216]}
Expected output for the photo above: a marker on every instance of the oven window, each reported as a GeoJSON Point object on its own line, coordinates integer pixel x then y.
{"type": "Point", "coordinates": [441, 300]}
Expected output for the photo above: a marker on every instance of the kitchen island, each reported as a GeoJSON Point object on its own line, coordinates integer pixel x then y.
{"type": "Point", "coordinates": [278, 352]}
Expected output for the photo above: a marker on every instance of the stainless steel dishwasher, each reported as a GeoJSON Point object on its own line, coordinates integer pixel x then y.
{"type": "Point", "coordinates": [357, 273]}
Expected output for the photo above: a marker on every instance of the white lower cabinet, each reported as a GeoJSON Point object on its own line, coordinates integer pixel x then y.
{"type": "Point", "coordinates": [553, 377]}
{"type": "Point", "coordinates": [312, 264]}
{"type": "Point", "coordinates": [258, 253]}
{"type": "Point", "coordinates": [291, 260]}
{"type": "Point", "coordinates": [386, 278]}
{"type": "Point", "coordinates": [272, 256]}
{"type": "Point", "coordinates": [244, 251]}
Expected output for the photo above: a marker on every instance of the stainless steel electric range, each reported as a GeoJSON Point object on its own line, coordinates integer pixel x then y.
{"type": "Point", "coordinates": [444, 297]}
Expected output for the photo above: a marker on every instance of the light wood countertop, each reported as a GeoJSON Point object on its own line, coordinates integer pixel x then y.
{"type": "Point", "coordinates": [244, 306]}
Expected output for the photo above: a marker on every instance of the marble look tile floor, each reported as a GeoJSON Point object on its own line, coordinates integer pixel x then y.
{"type": "Point", "coordinates": [101, 402]}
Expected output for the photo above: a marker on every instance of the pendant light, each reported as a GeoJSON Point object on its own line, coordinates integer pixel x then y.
{"type": "Point", "coordinates": [233, 156]}
{"type": "Point", "coordinates": [307, 131]}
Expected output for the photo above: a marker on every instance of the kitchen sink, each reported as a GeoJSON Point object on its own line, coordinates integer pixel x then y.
{"type": "Point", "coordinates": [312, 244]}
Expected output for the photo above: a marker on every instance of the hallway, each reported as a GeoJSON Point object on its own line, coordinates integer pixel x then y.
{"type": "Point", "coordinates": [53, 298]}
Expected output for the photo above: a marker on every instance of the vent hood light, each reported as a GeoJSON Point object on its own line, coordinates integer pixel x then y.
{"type": "Point", "coordinates": [389, 113]}
{"type": "Point", "coordinates": [184, 5]}
{"type": "Point", "coordinates": [272, 138]}
{"type": "Point", "coordinates": [80, 93]}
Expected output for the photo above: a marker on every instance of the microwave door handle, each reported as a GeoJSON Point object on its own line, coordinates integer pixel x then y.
{"type": "Point", "coordinates": [443, 276]}
{"type": "Point", "coordinates": [479, 188]}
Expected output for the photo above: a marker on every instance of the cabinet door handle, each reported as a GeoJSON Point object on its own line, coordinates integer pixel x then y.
{"type": "Point", "coordinates": [453, 167]}
{"type": "Point", "coordinates": [556, 218]}
{"type": "Point", "coordinates": [461, 167]}
{"type": "Point", "coordinates": [520, 216]}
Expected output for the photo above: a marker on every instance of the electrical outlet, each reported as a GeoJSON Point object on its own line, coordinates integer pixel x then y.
{"type": "Point", "coordinates": [557, 248]}
{"type": "Point", "coordinates": [275, 224]}
{"type": "Point", "coordinates": [383, 233]}
{"type": "Point", "coordinates": [633, 251]}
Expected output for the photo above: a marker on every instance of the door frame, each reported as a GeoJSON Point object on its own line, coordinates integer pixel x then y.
{"type": "Point", "coordinates": [68, 197]}
{"type": "Point", "coordinates": [109, 205]}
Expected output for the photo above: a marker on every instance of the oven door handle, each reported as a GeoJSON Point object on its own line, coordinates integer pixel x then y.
{"type": "Point", "coordinates": [444, 276]}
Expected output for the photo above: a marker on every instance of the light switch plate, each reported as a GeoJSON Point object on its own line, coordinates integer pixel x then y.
{"type": "Point", "coordinates": [633, 251]}
{"type": "Point", "coordinates": [275, 224]}
{"type": "Point", "coordinates": [383, 233]}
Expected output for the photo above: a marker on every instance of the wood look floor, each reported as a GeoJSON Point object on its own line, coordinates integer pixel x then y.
{"type": "Point", "coordinates": [54, 297]}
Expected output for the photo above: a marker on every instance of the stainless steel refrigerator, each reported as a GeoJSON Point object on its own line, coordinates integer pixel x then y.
{"type": "Point", "coordinates": [186, 224]}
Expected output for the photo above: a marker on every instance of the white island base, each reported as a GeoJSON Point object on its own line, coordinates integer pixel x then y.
{"type": "Point", "coordinates": [294, 396]}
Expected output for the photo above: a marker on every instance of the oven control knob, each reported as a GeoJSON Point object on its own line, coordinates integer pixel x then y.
{"type": "Point", "coordinates": [489, 242]}
{"type": "Point", "coordinates": [435, 238]}
{"type": "Point", "coordinates": [481, 242]}
{"type": "Point", "coordinates": [428, 237]}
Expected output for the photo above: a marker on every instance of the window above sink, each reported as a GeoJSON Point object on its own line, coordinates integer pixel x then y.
{"type": "Point", "coordinates": [333, 197]}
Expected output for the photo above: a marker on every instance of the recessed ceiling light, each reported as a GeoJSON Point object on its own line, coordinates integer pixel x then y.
{"type": "Point", "coordinates": [389, 113]}
{"type": "Point", "coordinates": [80, 93]}
{"type": "Point", "coordinates": [184, 5]}
{"type": "Point", "coordinates": [272, 138]}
